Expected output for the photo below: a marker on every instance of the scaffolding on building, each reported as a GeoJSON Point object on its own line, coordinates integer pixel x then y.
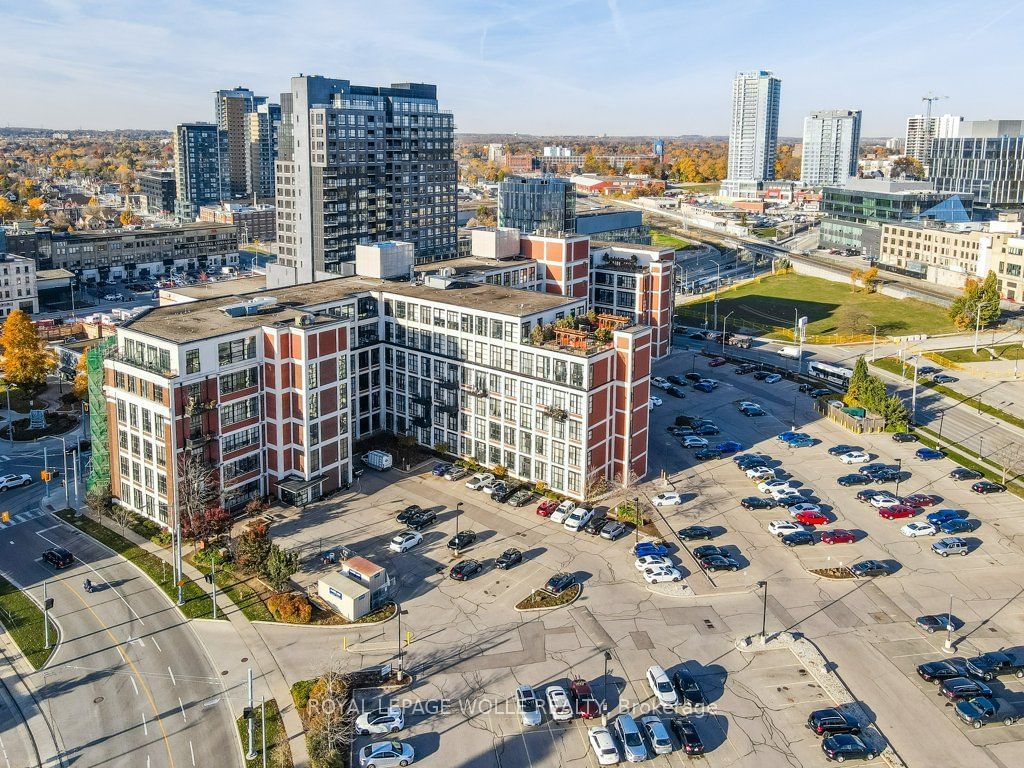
{"type": "Point", "coordinates": [99, 432]}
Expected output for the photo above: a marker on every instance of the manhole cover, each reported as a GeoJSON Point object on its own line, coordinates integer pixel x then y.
{"type": "Point", "coordinates": [245, 659]}
{"type": "Point", "coordinates": [802, 672]}
{"type": "Point", "coordinates": [223, 673]}
{"type": "Point", "coordinates": [522, 534]}
{"type": "Point", "coordinates": [97, 700]}
{"type": "Point", "coordinates": [709, 624]}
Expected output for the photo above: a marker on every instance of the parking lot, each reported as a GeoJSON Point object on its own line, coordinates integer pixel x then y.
{"type": "Point", "coordinates": [470, 648]}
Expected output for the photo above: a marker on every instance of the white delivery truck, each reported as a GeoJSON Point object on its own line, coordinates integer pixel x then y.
{"type": "Point", "coordinates": [379, 460]}
{"type": "Point", "coordinates": [793, 353]}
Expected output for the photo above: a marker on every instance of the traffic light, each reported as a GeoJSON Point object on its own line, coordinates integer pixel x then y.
{"type": "Point", "coordinates": [46, 475]}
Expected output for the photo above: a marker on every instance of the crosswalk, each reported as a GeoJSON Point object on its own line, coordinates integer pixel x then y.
{"type": "Point", "coordinates": [22, 517]}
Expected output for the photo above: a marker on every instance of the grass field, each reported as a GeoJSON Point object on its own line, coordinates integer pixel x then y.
{"type": "Point", "coordinates": [664, 239]}
{"type": "Point", "coordinates": [23, 620]}
{"type": "Point", "coordinates": [278, 753]}
{"type": "Point", "coordinates": [830, 308]}
{"type": "Point", "coordinates": [967, 355]}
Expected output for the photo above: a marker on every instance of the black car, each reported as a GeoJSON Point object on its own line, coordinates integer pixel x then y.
{"type": "Point", "coordinates": [963, 688]}
{"type": "Point", "coordinates": [805, 388]}
{"type": "Point", "coordinates": [904, 437]}
{"type": "Point", "coordinates": [991, 665]}
{"type": "Point", "coordinates": [932, 623]}
{"type": "Point", "coordinates": [695, 532]}
{"type": "Point", "coordinates": [928, 370]}
{"type": "Point", "coordinates": [977, 712]}
{"type": "Point", "coordinates": [509, 558]}
{"type": "Point", "coordinates": [501, 495]}
{"type": "Point", "coordinates": [58, 557]}
{"type": "Point", "coordinates": [945, 669]}
{"type": "Point", "coordinates": [707, 550]}
{"type": "Point", "coordinates": [751, 412]}
{"type": "Point", "coordinates": [761, 375]}
{"type": "Point", "coordinates": [705, 454]}
{"type": "Point", "coordinates": [746, 368]}
{"type": "Point", "coordinates": [675, 391]}
{"type": "Point", "coordinates": [408, 513]}
{"type": "Point", "coordinates": [826, 722]}
{"type": "Point", "coordinates": [560, 582]}
{"type": "Point", "coordinates": [839, 450]}
{"type": "Point", "coordinates": [854, 479]}
{"type": "Point", "coordinates": [757, 502]}
{"type": "Point", "coordinates": [466, 569]}
{"type": "Point", "coordinates": [867, 568]}
{"type": "Point", "coordinates": [679, 381]}
{"type": "Point", "coordinates": [687, 735]}
{"type": "Point", "coordinates": [846, 746]}
{"type": "Point", "coordinates": [689, 689]}
{"type": "Point", "coordinates": [798, 538]}
{"type": "Point", "coordinates": [816, 393]}
{"type": "Point", "coordinates": [963, 473]}
{"type": "Point", "coordinates": [705, 430]}
{"type": "Point", "coordinates": [520, 498]}
{"type": "Point", "coordinates": [873, 466]}
{"type": "Point", "coordinates": [718, 563]}
{"type": "Point", "coordinates": [424, 519]}
{"type": "Point", "coordinates": [692, 376]}
{"type": "Point", "coordinates": [751, 462]}
{"type": "Point", "coordinates": [461, 540]}
{"type": "Point", "coordinates": [886, 475]}
{"type": "Point", "coordinates": [596, 525]}
{"type": "Point", "coordinates": [987, 486]}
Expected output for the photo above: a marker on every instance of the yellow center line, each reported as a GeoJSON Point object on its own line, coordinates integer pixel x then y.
{"type": "Point", "coordinates": [135, 671]}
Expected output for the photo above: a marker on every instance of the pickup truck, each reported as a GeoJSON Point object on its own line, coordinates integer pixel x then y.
{"type": "Point", "coordinates": [991, 665]}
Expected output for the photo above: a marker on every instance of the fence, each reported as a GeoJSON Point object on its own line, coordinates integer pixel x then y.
{"type": "Point", "coordinates": [779, 332]}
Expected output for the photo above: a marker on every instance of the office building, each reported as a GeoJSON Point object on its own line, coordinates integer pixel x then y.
{"type": "Point", "coordinates": [922, 129]}
{"type": "Point", "coordinates": [613, 224]}
{"type": "Point", "coordinates": [262, 131]}
{"type": "Point", "coordinates": [233, 108]}
{"type": "Point", "coordinates": [360, 164]}
{"type": "Point", "coordinates": [17, 285]}
{"type": "Point", "coordinates": [272, 389]}
{"type": "Point", "coordinates": [537, 204]}
{"type": "Point", "coordinates": [196, 168]}
{"type": "Point", "coordinates": [157, 191]}
{"type": "Point", "coordinates": [831, 139]}
{"type": "Point", "coordinates": [986, 161]}
{"type": "Point", "coordinates": [753, 133]}
{"type": "Point", "coordinates": [896, 144]}
{"type": "Point", "coordinates": [255, 223]}
{"type": "Point", "coordinates": [855, 212]}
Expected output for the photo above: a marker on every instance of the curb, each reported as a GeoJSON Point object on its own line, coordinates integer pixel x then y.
{"type": "Point", "coordinates": [553, 607]}
{"type": "Point", "coordinates": [351, 625]}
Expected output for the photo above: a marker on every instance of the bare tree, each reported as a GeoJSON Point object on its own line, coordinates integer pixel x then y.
{"type": "Point", "coordinates": [1010, 458]}
{"type": "Point", "coordinates": [196, 490]}
{"type": "Point", "coordinates": [330, 716]}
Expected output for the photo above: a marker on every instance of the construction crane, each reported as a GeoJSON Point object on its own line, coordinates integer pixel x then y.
{"type": "Point", "coordinates": [930, 132]}
{"type": "Point", "coordinates": [931, 98]}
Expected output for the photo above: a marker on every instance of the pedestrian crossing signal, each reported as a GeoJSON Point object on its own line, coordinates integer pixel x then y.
{"type": "Point", "coordinates": [46, 475]}
{"type": "Point", "coordinates": [5, 517]}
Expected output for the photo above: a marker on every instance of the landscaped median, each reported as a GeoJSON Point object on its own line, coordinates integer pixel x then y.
{"type": "Point", "coordinates": [279, 755]}
{"type": "Point", "coordinates": [197, 601]}
{"type": "Point", "coordinates": [23, 620]}
{"type": "Point", "coordinates": [542, 600]}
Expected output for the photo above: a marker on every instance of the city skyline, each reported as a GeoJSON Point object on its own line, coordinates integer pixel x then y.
{"type": "Point", "coordinates": [499, 67]}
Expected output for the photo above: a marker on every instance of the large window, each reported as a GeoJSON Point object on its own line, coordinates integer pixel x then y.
{"type": "Point", "coordinates": [229, 352]}
{"type": "Point", "coordinates": [233, 382]}
{"type": "Point", "coordinates": [192, 361]}
{"type": "Point", "coordinates": [235, 412]}
{"type": "Point", "coordinates": [241, 439]}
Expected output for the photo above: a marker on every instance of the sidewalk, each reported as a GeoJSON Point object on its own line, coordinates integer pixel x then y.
{"type": "Point", "coordinates": [14, 683]}
{"type": "Point", "coordinates": [232, 650]}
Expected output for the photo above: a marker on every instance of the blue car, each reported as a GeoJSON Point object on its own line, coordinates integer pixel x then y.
{"type": "Point", "coordinates": [945, 515]}
{"type": "Point", "coordinates": [927, 454]}
{"type": "Point", "coordinates": [440, 469]}
{"type": "Point", "coordinates": [956, 526]}
{"type": "Point", "coordinates": [700, 386]}
{"type": "Point", "coordinates": [785, 437]}
{"type": "Point", "coordinates": [729, 446]}
{"type": "Point", "coordinates": [646, 548]}
{"type": "Point", "coordinates": [804, 441]}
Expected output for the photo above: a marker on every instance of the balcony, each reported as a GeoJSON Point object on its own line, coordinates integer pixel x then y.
{"type": "Point", "coordinates": [473, 390]}
{"type": "Point", "coordinates": [451, 385]}
{"type": "Point", "coordinates": [150, 367]}
{"type": "Point", "coordinates": [196, 442]}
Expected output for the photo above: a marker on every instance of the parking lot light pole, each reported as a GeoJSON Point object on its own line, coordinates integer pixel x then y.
{"type": "Point", "coordinates": [899, 475]}
{"type": "Point", "coordinates": [458, 513]}
{"type": "Point", "coordinates": [764, 611]}
{"type": "Point", "coordinates": [401, 671]}
{"type": "Point", "coordinates": [604, 697]}
{"type": "Point", "coordinates": [947, 646]}
{"type": "Point", "coordinates": [874, 337]}
{"type": "Point", "coordinates": [724, 321]}
{"type": "Point", "coordinates": [636, 517]}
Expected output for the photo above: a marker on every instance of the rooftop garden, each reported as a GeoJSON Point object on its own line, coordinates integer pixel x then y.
{"type": "Point", "coordinates": [578, 334]}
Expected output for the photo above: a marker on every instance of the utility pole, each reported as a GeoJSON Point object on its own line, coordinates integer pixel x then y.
{"type": "Point", "coordinates": [874, 337]}
{"type": "Point", "coordinates": [64, 477]}
{"type": "Point", "coordinates": [213, 582]}
{"type": "Point", "coordinates": [263, 728]}
{"type": "Point", "coordinates": [74, 466]}
{"type": "Point", "coordinates": [977, 327]}
{"type": "Point", "coordinates": [913, 396]}
{"type": "Point", "coordinates": [251, 753]}
{"type": "Point", "coordinates": [46, 464]}
{"type": "Point", "coordinates": [947, 646]}
{"type": "Point", "coordinates": [46, 617]}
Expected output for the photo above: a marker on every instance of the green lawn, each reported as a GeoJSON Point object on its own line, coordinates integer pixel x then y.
{"type": "Point", "coordinates": [278, 753]}
{"type": "Point", "coordinates": [23, 620]}
{"type": "Point", "coordinates": [197, 602]}
{"type": "Point", "coordinates": [665, 239]}
{"type": "Point", "coordinates": [968, 355]}
{"type": "Point", "coordinates": [20, 401]}
{"type": "Point", "coordinates": [766, 232]}
{"type": "Point", "coordinates": [829, 306]}
{"type": "Point", "coordinates": [239, 589]}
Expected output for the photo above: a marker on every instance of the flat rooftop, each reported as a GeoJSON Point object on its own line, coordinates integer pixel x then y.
{"type": "Point", "coordinates": [472, 264]}
{"type": "Point", "coordinates": [142, 231]}
{"type": "Point", "coordinates": [218, 288]}
{"type": "Point", "coordinates": [194, 320]}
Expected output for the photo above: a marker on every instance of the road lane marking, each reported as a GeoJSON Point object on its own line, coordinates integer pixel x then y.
{"type": "Point", "coordinates": [171, 673]}
{"type": "Point", "coordinates": [145, 728]}
{"type": "Point", "coordinates": [192, 751]}
{"type": "Point", "coordinates": [134, 685]}
{"type": "Point", "coordinates": [182, 706]}
{"type": "Point", "coordinates": [157, 644]}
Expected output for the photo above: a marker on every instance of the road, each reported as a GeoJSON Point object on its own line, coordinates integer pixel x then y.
{"type": "Point", "coordinates": [129, 684]}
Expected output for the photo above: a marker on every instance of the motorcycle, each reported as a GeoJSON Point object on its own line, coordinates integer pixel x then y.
{"type": "Point", "coordinates": [87, 586]}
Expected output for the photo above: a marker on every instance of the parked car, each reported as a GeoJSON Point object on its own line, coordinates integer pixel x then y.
{"type": "Point", "coordinates": [661, 686]}
{"type": "Point", "coordinates": [846, 746]}
{"type": "Point", "coordinates": [751, 412]}
{"type": "Point", "coordinates": [408, 513]}
{"type": "Point", "coordinates": [897, 511]}
{"type": "Point", "coordinates": [801, 442]}
{"type": "Point", "coordinates": [757, 502]}
{"type": "Point", "coordinates": [560, 582]}
{"type": "Point", "coordinates": [918, 528]}
{"type": "Point", "coordinates": [729, 446]}
{"type": "Point", "coordinates": [456, 473]}
{"type": "Point", "coordinates": [694, 441]}
{"type": "Point", "coordinates": [662, 573]}
{"type": "Point", "coordinates": [596, 525]}
{"type": "Point", "coordinates": [657, 734]}
{"type": "Point", "coordinates": [675, 391]}
{"type": "Point", "coordinates": [855, 457]}
{"type": "Point", "coordinates": [707, 454]}
{"type": "Point", "coordinates": [826, 722]}
{"type": "Point", "coordinates": [904, 437]}
{"type": "Point", "coordinates": [385, 754]}
{"type": "Point", "coordinates": [390, 720]}
{"type": "Point", "coordinates": [559, 706]}
{"type": "Point", "coordinates": [527, 706]}
{"type": "Point", "coordinates": [781, 528]}
{"type": "Point", "coordinates": [465, 570]}
{"type": "Point", "coordinates": [578, 518]}
{"type": "Point", "coordinates": [869, 568]}
{"type": "Point", "coordinates": [659, 382]}
{"type": "Point", "coordinates": [479, 481]}
{"type": "Point", "coordinates": [718, 563]}
{"type": "Point", "coordinates": [651, 561]}
{"type": "Point", "coordinates": [772, 378]}
{"type": "Point", "coordinates": [798, 538]}
{"type": "Point", "coordinates": [952, 545]}
{"type": "Point", "coordinates": [979, 711]}
{"type": "Point", "coordinates": [689, 689]}
{"type": "Point", "coordinates": [502, 492]}
{"type": "Point", "coordinates": [679, 381]}
{"type": "Point", "coordinates": [838, 536]}
{"type": "Point", "coordinates": [520, 498]}
{"type": "Point", "coordinates": [686, 733]}
{"type": "Point", "coordinates": [960, 688]}
{"type": "Point", "coordinates": [701, 386]}
{"type": "Point", "coordinates": [669, 499]}
{"type": "Point", "coordinates": [650, 548]}
{"type": "Point", "coordinates": [656, 401]}
{"type": "Point", "coordinates": [633, 746]}
{"type": "Point", "coordinates": [954, 527]}
{"type": "Point", "coordinates": [943, 378]}
{"type": "Point", "coordinates": [715, 362]}
{"type": "Point", "coordinates": [58, 557]}
{"type": "Point", "coordinates": [509, 558]}
{"type": "Point", "coordinates": [546, 507]}
{"type": "Point", "coordinates": [921, 500]}
{"type": "Point", "coordinates": [406, 540]}
{"type": "Point", "coordinates": [422, 520]}
{"type": "Point", "coordinates": [880, 500]}
{"type": "Point", "coordinates": [842, 449]}
{"type": "Point", "coordinates": [583, 699]}
{"type": "Point", "coordinates": [562, 511]}
{"type": "Point", "coordinates": [855, 479]}
{"type": "Point", "coordinates": [987, 486]}
{"type": "Point", "coordinates": [932, 623]}
{"type": "Point", "coordinates": [963, 473]}
{"type": "Point", "coordinates": [929, 454]}
{"type": "Point", "coordinates": [461, 540]}
{"type": "Point", "coordinates": [613, 530]}
{"type": "Point", "coordinates": [603, 745]}
{"type": "Point", "coordinates": [441, 468]}
{"type": "Point", "coordinates": [944, 669]}
{"type": "Point", "coordinates": [991, 665]}
{"type": "Point", "coordinates": [695, 532]}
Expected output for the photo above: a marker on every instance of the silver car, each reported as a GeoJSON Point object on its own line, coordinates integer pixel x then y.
{"type": "Point", "coordinates": [385, 754]}
{"type": "Point", "coordinates": [633, 747]}
{"type": "Point", "coordinates": [527, 706]}
{"type": "Point", "coordinates": [657, 734]}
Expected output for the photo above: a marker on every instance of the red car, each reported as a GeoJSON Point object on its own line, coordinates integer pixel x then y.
{"type": "Point", "coordinates": [546, 507]}
{"type": "Point", "coordinates": [838, 536]}
{"type": "Point", "coordinates": [811, 518]}
{"type": "Point", "coordinates": [898, 511]}
{"type": "Point", "coordinates": [717, 361]}
{"type": "Point", "coordinates": [920, 500]}
{"type": "Point", "coordinates": [583, 698]}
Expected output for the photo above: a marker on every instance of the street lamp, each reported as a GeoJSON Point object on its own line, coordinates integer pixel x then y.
{"type": "Point", "coordinates": [942, 415]}
{"type": "Point", "coordinates": [899, 474]}
{"type": "Point", "coordinates": [977, 327]}
{"type": "Point", "coordinates": [400, 613]}
{"type": "Point", "coordinates": [874, 336]}
{"type": "Point", "coordinates": [947, 646]}
{"type": "Point", "coordinates": [636, 517]}
{"type": "Point", "coordinates": [764, 611]}
{"type": "Point", "coordinates": [458, 513]}
{"type": "Point", "coordinates": [604, 689]}
{"type": "Point", "coordinates": [724, 321]}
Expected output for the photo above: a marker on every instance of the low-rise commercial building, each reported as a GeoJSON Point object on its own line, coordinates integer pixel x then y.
{"type": "Point", "coordinates": [255, 223]}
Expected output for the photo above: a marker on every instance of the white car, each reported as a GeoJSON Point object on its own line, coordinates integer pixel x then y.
{"type": "Point", "coordinates": [655, 400]}
{"type": "Point", "coordinates": [772, 378]}
{"type": "Point", "coordinates": [559, 706]}
{"type": "Point", "coordinates": [405, 540]}
{"type": "Point", "coordinates": [604, 746]}
{"type": "Point", "coordinates": [781, 527]}
{"type": "Point", "coordinates": [744, 404]}
{"type": "Point", "coordinates": [527, 706]}
{"type": "Point", "coordinates": [912, 530]}
{"type": "Point", "coordinates": [692, 441]}
{"type": "Point", "coordinates": [662, 573]}
{"type": "Point", "coordinates": [479, 480]}
{"type": "Point", "coordinates": [883, 500]}
{"type": "Point", "coordinates": [652, 561]}
{"type": "Point", "coordinates": [767, 486]}
{"type": "Point", "coordinates": [657, 734]}
{"type": "Point", "coordinates": [14, 481]}
{"type": "Point", "coordinates": [804, 506]}
{"type": "Point", "coordinates": [662, 687]}
{"type": "Point", "coordinates": [660, 382]}
{"type": "Point", "coordinates": [562, 511]}
{"type": "Point", "coordinates": [114, 297]}
{"type": "Point", "coordinates": [578, 518]}
{"type": "Point", "coordinates": [761, 474]}
{"type": "Point", "coordinates": [389, 720]}
{"type": "Point", "coordinates": [669, 499]}
{"type": "Point", "coordinates": [713, 383]}
{"type": "Point", "coordinates": [854, 457]}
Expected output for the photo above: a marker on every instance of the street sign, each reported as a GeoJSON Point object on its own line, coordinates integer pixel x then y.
{"type": "Point", "coordinates": [48, 605]}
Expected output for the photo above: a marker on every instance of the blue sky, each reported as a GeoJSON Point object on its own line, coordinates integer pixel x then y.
{"type": "Point", "coordinates": [657, 67]}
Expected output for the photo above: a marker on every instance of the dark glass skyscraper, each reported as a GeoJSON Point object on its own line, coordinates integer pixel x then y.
{"type": "Point", "coordinates": [537, 204]}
